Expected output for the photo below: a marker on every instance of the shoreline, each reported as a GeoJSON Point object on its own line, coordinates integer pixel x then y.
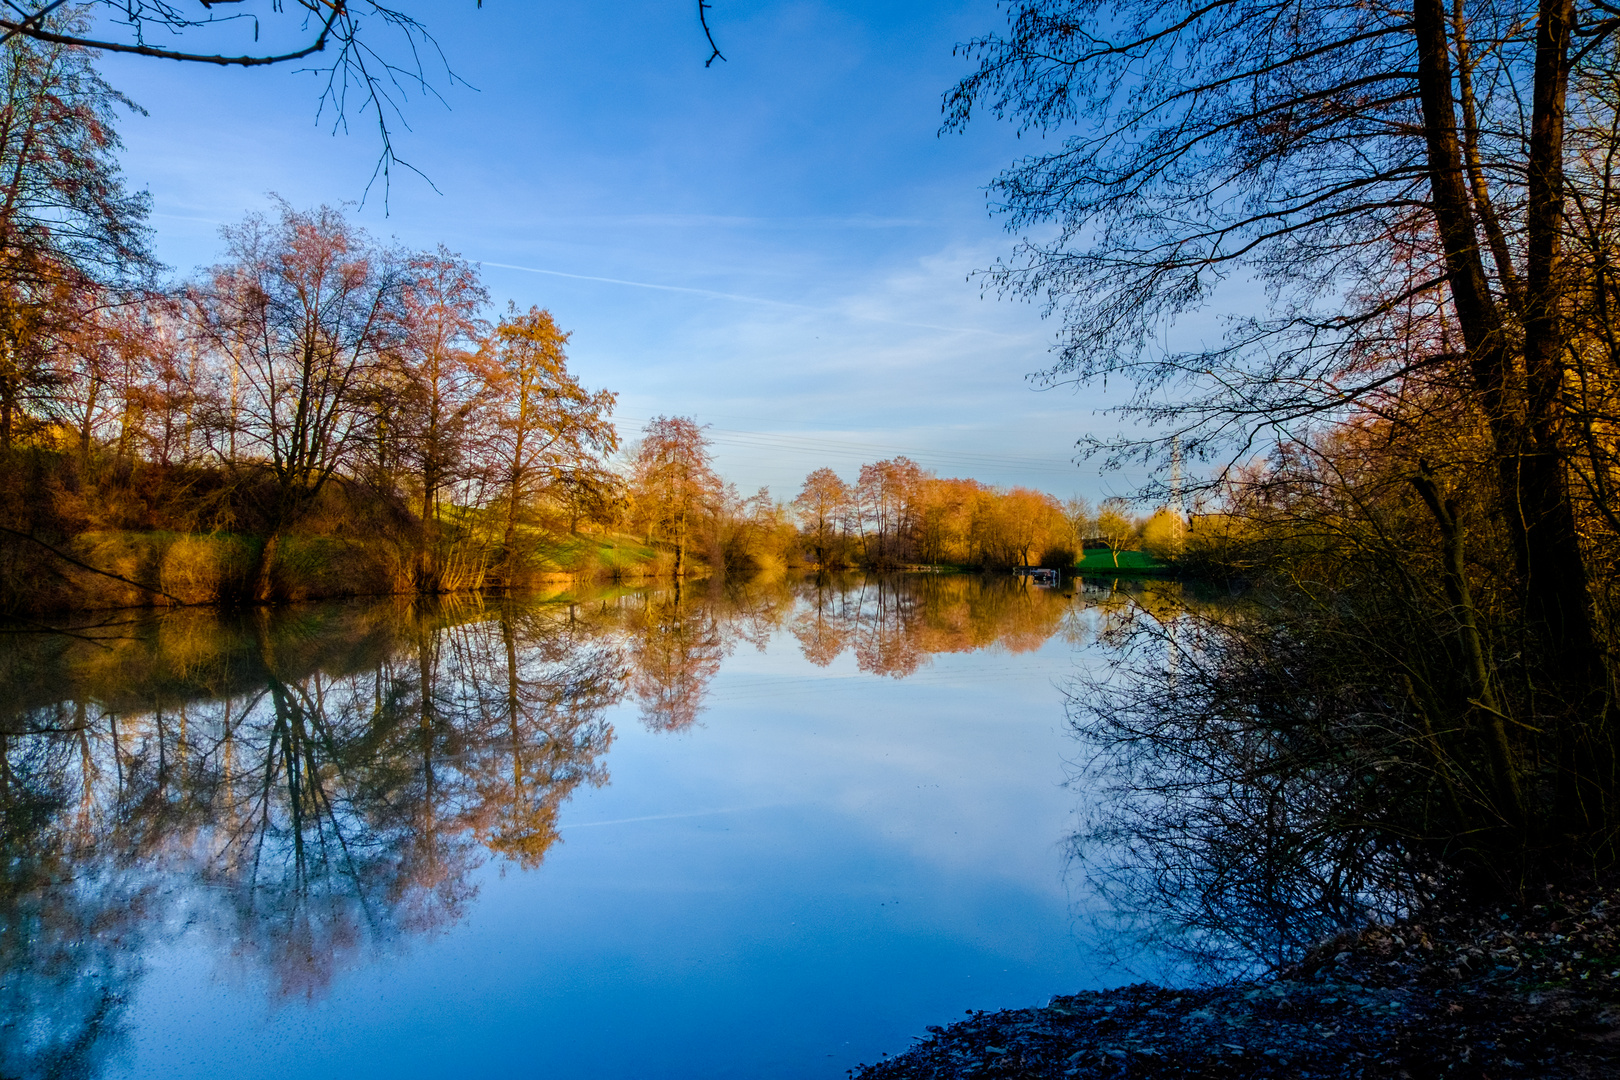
{"type": "Point", "coordinates": [158, 570]}
{"type": "Point", "coordinates": [163, 571]}
{"type": "Point", "coordinates": [1499, 994]}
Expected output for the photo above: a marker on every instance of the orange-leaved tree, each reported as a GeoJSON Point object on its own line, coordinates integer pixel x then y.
{"type": "Point", "coordinates": [545, 424]}
{"type": "Point", "coordinates": [824, 501]}
{"type": "Point", "coordinates": [674, 480]}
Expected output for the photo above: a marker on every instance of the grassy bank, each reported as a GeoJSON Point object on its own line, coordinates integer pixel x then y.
{"type": "Point", "coordinates": [155, 568]}
{"type": "Point", "coordinates": [125, 568]}
{"type": "Point", "coordinates": [1098, 561]}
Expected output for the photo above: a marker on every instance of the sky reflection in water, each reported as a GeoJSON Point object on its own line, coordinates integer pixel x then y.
{"type": "Point", "coordinates": [835, 815]}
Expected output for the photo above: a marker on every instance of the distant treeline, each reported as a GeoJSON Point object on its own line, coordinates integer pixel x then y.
{"type": "Point", "coordinates": [896, 514]}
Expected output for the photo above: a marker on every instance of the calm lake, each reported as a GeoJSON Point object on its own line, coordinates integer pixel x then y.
{"type": "Point", "coordinates": [736, 831]}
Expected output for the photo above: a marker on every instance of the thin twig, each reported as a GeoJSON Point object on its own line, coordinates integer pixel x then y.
{"type": "Point", "coordinates": [703, 20]}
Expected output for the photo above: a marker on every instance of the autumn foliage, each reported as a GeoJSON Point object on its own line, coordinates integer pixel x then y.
{"type": "Point", "coordinates": [320, 412]}
{"type": "Point", "coordinates": [896, 515]}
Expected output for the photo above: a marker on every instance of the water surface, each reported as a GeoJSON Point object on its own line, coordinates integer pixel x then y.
{"type": "Point", "coordinates": [763, 831]}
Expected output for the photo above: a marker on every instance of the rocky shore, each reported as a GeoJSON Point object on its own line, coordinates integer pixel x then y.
{"type": "Point", "coordinates": [1499, 994]}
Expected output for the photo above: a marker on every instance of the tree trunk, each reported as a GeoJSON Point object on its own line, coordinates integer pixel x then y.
{"type": "Point", "coordinates": [680, 547]}
{"type": "Point", "coordinates": [261, 583]}
{"type": "Point", "coordinates": [427, 569]}
{"type": "Point", "coordinates": [85, 432]}
{"type": "Point", "coordinates": [1556, 587]}
{"type": "Point", "coordinates": [1524, 426]}
{"type": "Point", "coordinates": [514, 705]}
{"type": "Point", "coordinates": [509, 536]}
{"type": "Point", "coordinates": [1510, 797]}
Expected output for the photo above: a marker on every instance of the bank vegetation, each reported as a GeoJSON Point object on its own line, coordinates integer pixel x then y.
{"type": "Point", "coordinates": [1405, 441]}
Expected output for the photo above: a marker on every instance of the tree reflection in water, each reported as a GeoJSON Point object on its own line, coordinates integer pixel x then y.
{"type": "Point", "coordinates": [1239, 810]}
{"type": "Point", "coordinates": [311, 786]}
{"type": "Point", "coordinates": [330, 777]}
{"type": "Point", "coordinates": [676, 649]}
{"type": "Point", "coordinates": [894, 624]}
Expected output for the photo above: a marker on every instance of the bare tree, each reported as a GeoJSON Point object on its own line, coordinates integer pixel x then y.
{"type": "Point", "coordinates": [824, 501]}
{"type": "Point", "coordinates": [446, 379]}
{"type": "Point", "coordinates": [674, 481]}
{"type": "Point", "coordinates": [1081, 519]}
{"type": "Point", "coordinates": [1114, 526]}
{"type": "Point", "coordinates": [885, 494]}
{"type": "Point", "coordinates": [369, 55]}
{"type": "Point", "coordinates": [69, 230]}
{"type": "Point", "coordinates": [1395, 176]}
{"type": "Point", "coordinates": [308, 309]}
{"type": "Point", "coordinates": [1424, 193]}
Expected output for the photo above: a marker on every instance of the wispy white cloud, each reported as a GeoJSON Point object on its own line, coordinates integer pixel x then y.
{"type": "Point", "coordinates": [854, 309]}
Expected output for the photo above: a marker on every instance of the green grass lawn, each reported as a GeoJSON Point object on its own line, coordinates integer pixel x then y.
{"type": "Point", "coordinates": [569, 554]}
{"type": "Point", "coordinates": [1101, 561]}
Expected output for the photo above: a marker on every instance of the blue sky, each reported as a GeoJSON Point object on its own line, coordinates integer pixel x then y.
{"type": "Point", "coordinates": [779, 245]}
